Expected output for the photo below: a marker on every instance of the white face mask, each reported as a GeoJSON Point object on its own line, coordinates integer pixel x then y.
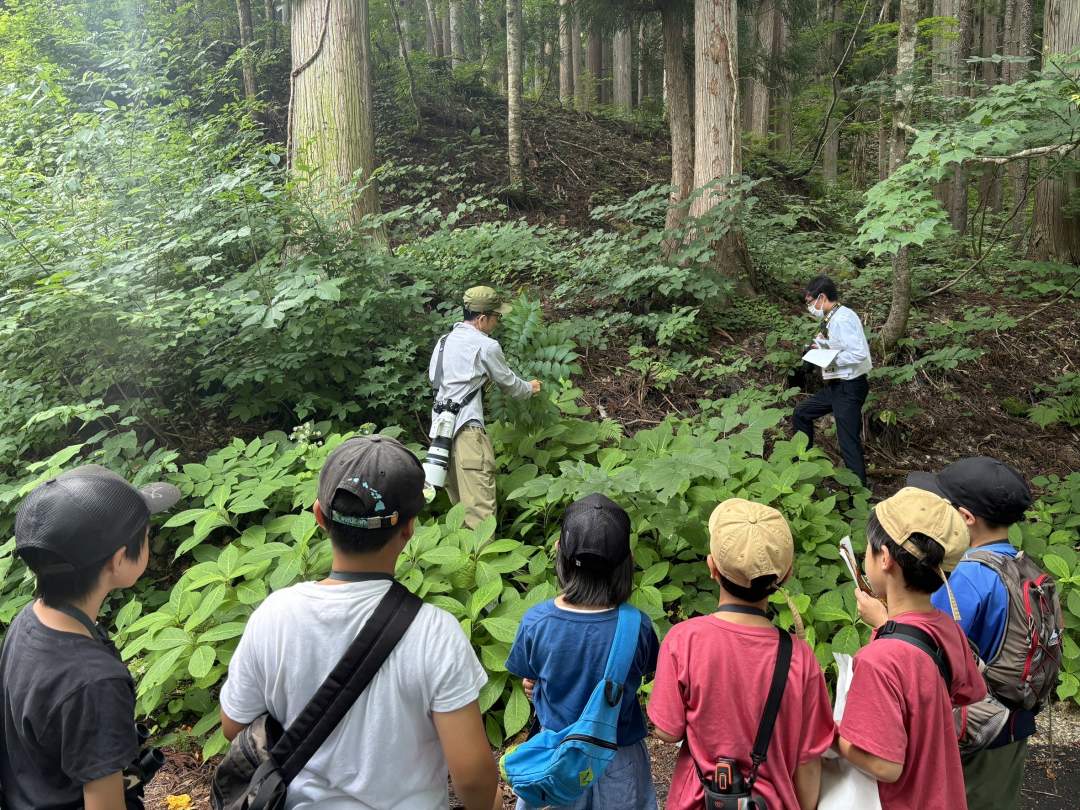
{"type": "Point", "coordinates": [813, 310]}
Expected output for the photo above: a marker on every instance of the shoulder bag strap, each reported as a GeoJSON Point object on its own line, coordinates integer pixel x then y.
{"type": "Point", "coordinates": [917, 637]}
{"type": "Point", "coordinates": [772, 705]}
{"type": "Point", "coordinates": [436, 381]}
{"type": "Point", "coordinates": [373, 645]}
{"type": "Point", "coordinates": [621, 655]}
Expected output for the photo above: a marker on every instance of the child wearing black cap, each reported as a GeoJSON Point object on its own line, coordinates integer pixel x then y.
{"type": "Point", "coordinates": [990, 496]}
{"type": "Point", "coordinates": [562, 646]}
{"type": "Point", "coordinates": [418, 719]}
{"type": "Point", "coordinates": [67, 702]}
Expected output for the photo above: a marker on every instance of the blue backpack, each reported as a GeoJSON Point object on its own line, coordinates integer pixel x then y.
{"type": "Point", "coordinates": [556, 767]}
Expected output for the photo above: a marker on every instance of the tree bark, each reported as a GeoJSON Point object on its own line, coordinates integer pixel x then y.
{"type": "Point", "coordinates": [513, 92]}
{"type": "Point", "coordinates": [606, 71]}
{"type": "Point", "coordinates": [594, 70]}
{"type": "Point", "coordinates": [434, 35]}
{"type": "Point", "coordinates": [271, 24]}
{"type": "Point", "coordinates": [990, 182]}
{"type": "Point", "coordinates": [951, 50]}
{"type": "Point", "coordinates": [403, 47]}
{"type": "Point", "coordinates": [622, 59]}
{"type": "Point", "coordinates": [1018, 42]}
{"type": "Point", "coordinates": [580, 79]}
{"type": "Point", "coordinates": [247, 37]}
{"type": "Point", "coordinates": [680, 124]}
{"type": "Point", "coordinates": [447, 40]}
{"type": "Point", "coordinates": [457, 44]}
{"type": "Point", "coordinates": [899, 308]}
{"type": "Point", "coordinates": [331, 138]}
{"type": "Point", "coordinates": [717, 145]}
{"type": "Point", "coordinates": [768, 36]}
{"type": "Point", "coordinates": [1056, 235]}
{"type": "Point", "coordinates": [642, 71]}
{"type": "Point", "coordinates": [830, 151]}
{"type": "Point", "coordinates": [566, 55]}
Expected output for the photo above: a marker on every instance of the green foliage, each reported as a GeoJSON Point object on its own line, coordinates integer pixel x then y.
{"type": "Point", "coordinates": [1062, 406]}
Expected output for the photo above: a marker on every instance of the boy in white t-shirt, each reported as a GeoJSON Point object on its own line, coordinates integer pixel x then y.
{"type": "Point", "coordinates": [419, 717]}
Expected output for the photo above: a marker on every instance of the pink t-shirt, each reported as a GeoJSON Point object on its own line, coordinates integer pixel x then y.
{"type": "Point", "coordinates": [712, 679]}
{"type": "Point", "coordinates": [898, 709]}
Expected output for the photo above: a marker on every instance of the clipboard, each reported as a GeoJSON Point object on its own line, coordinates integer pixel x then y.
{"type": "Point", "coordinates": [821, 357]}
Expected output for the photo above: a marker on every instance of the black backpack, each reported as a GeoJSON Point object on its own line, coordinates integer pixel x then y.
{"type": "Point", "coordinates": [263, 759]}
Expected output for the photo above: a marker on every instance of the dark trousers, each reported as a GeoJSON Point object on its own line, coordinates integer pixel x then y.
{"type": "Point", "coordinates": [844, 400]}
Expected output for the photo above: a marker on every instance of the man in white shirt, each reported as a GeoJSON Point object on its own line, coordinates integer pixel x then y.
{"type": "Point", "coordinates": [846, 385]}
{"type": "Point", "coordinates": [419, 718]}
{"type": "Point", "coordinates": [461, 363]}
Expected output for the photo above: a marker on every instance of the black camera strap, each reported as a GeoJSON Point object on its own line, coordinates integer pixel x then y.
{"type": "Point", "coordinates": [436, 382]}
{"type": "Point", "coordinates": [918, 637]}
{"type": "Point", "coordinates": [749, 610]}
{"type": "Point", "coordinates": [96, 630]}
{"type": "Point", "coordinates": [759, 752]}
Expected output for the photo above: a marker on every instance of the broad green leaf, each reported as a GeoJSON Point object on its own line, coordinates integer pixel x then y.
{"type": "Point", "coordinates": [483, 596]}
{"type": "Point", "coordinates": [501, 629]}
{"type": "Point", "coordinates": [221, 632]}
{"type": "Point", "coordinates": [201, 661]}
{"type": "Point", "coordinates": [517, 710]}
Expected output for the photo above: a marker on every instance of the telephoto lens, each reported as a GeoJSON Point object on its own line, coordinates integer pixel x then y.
{"type": "Point", "coordinates": [438, 454]}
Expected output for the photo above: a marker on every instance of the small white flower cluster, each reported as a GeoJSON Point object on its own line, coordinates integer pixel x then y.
{"type": "Point", "coordinates": [306, 434]}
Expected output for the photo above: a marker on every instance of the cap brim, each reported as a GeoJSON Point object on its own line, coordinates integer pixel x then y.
{"type": "Point", "coordinates": [159, 497]}
{"type": "Point", "coordinates": [927, 481]}
{"type": "Point", "coordinates": [504, 309]}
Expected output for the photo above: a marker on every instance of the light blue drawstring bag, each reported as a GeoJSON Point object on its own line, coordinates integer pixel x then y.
{"type": "Point", "coordinates": [556, 767]}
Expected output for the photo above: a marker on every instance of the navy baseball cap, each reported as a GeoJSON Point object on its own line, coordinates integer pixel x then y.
{"type": "Point", "coordinates": [595, 532]}
{"type": "Point", "coordinates": [84, 515]}
{"type": "Point", "coordinates": [986, 487]}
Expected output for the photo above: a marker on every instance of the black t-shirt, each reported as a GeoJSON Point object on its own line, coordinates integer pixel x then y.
{"type": "Point", "coordinates": [67, 706]}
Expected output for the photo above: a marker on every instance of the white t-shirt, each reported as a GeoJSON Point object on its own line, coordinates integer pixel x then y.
{"type": "Point", "coordinates": [385, 753]}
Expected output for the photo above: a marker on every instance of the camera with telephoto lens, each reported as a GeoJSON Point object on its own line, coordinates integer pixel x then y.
{"type": "Point", "coordinates": [139, 773]}
{"type": "Point", "coordinates": [438, 454]}
{"type": "Point", "coordinates": [728, 790]}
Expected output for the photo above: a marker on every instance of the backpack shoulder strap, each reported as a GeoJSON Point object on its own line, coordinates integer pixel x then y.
{"type": "Point", "coordinates": [436, 381]}
{"type": "Point", "coordinates": [917, 637]}
{"type": "Point", "coordinates": [352, 674]}
{"type": "Point", "coordinates": [623, 648]}
{"type": "Point", "coordinates": [772, 704]}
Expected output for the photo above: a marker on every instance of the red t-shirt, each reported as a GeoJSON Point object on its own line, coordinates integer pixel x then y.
{"type": "Point", "coordinates": [899, 709]}
{"type": "Point", "coordinates": [712, 678]}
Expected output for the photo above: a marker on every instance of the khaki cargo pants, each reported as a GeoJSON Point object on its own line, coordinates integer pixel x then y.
{"type": "Point", "coordinates": [471, 478]}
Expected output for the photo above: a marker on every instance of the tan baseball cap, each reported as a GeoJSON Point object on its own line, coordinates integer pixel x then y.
{"type": "Point", "coordinates": [484, 300]}
{"type": "Point", "coordinates": [749, 540]}
{"type": "Point", "coordinates": [913, 510]}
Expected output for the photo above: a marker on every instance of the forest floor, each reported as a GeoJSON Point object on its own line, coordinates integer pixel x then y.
{"type": "Point", "coordinates": [577, 162]}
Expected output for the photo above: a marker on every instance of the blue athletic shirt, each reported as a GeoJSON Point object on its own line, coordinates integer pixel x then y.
{"type": "Point", "coordinates": [983, 602]}
{"type": "Point", "coordinates": [565, 652]}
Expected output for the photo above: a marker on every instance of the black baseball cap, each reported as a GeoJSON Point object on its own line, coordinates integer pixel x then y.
{"type": "Point", "coordinates": [84, 515]}
{"type": "Point", "coordinates": [382, 473]}
{"type": "Point", "coordinates": [986, 487]}
{"type": "Point", "coordinates": [595, 532]}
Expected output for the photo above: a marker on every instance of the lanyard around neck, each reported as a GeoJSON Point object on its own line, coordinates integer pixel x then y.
{"type": "Point", "coordinates": [91, 626]}
{"type": "Point", "coordinates": [359, 576]}
{"type": "Point", "coordinates": [747, 609]}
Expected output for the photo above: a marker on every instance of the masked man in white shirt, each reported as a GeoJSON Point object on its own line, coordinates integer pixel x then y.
{"type": "Point", "coordinates": [462, 362]}
{"type": "Point", "coordinates": [846, 385]}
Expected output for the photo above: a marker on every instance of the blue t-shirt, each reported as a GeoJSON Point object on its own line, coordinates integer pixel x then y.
{"type": "Point", "coordinates": [983, 602]}
{"type": "Point", "coordinates": [565, 652]}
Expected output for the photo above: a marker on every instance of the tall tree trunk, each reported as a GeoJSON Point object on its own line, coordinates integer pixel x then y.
{"type": "Point", "coordinates": [581, 79]}
{"type": "Point", "coordinates": [457, 43]}
{"type": "Point", "coordinates": [642, 63]}
{"type": "Point", "coordinates": [1056, 235]}
{"type": "Point", "coordinates": [247, 37]}
{"type": "Point", "coordinates": [677, 98]}
{"type": "Point", "coordinates": [566, 55]}
{"type": "Point", "coordinates": [951, 49]}
{"type": "Point", "coordinates": [331, 137]}
{"type": "Point", "coordinates": [513, 92]}
{"type": "Point", "coordinates": [885, 118]}
{"type": "Point", "coordinates": [434, 34]}
{"type": "Point", "coordinates": [271, 24]}
{"type": "Point", "coordinates": [595, 70]}
{"type": "Point", "coordinates": [403, 47]}
{"type": "Point", "coordinates": [717, 145]}
{"type": "Point", "coordinates": [899, 308]}
{"type": "Point", "coordinates": [447, 39]}
{"type": "Point", "coordinates": [768, 36]}
{"type": "Point", "coordinates": [622, 59]}
{"type": "Point", "coordinates": [830, 150]}
{"type": "Point", "coordinates": [990, 182]}
{"type": "Point", "coordinates": [782, 94]}
{"type": "Point", "coordinates": [1018, 42]}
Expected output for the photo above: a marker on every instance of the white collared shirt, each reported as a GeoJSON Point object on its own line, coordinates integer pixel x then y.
{"type": "Point", "coordinates": [469, 359]}
{"type": "Point", "coordinates": [846, 334]}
